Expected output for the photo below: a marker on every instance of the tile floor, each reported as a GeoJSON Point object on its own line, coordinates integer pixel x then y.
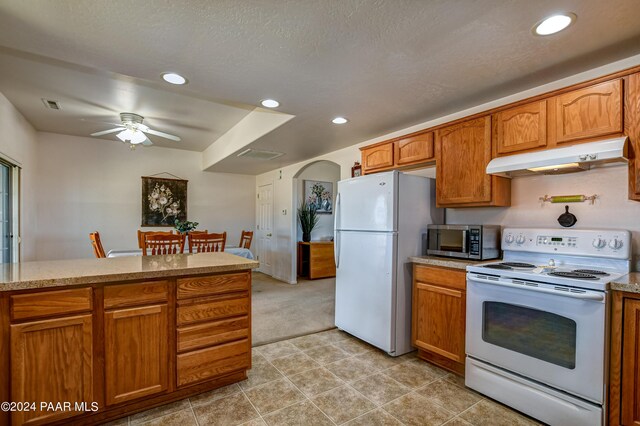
{"type": "Point", "coordinates": [331, 378]}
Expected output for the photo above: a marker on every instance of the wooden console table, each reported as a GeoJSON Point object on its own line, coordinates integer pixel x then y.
{"type": "Point", "coordinates": [315, 260]}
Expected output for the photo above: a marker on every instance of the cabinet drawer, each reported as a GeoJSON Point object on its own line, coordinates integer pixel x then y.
{"type": "Point", "coordinates": [443, 277]}
{"type": "Point", "coordinates": [212, 333]}
{"type": "Point", "coordinates": [211, 362]}
{"type": "Point", "coordinates": [50, 303]}
{"type": "Point", "coordinates": [144, 293]}
{"type": "Point", "coordinates": [213, 284]}
{"type": "Point", "coordinates": [207, 309]}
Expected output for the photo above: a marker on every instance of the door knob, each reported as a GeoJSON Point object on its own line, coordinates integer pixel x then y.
{"type": "Point", "coordinates": [268, 235]}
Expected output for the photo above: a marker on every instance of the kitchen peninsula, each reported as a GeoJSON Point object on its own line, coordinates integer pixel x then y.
{"type": "Point", "coordinates": [90, 340]}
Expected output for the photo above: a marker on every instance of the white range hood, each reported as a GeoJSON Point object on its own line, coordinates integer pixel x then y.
{"type": "Point", "coordinates": [561, 160]}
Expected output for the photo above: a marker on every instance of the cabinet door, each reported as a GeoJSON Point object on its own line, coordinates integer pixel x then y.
{"type": "Point", "coordinates": [462, 154]}
{"type": "Point", "coordinates": [631, 363]}
{"type": "Point", "coordinates": [136, 352]}
{"type": "Point", "coordinates": [590, 112]}
{"type": "Point", "coordinates": [632, 125]}
{"type": "Point", "coordinates": [51, 361]}
{"type": "Point", "coordinates": [414, 149]}
{"type": "Point", "coordinates": [522, 128]}
{"type": "Point", "coordinates": [439, 320]}
{"type": "Point", "coordinates": [377, 157]}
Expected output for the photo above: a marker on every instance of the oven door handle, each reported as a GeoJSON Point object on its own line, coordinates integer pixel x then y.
{"type": "Point", "coordinates": [499, 282]}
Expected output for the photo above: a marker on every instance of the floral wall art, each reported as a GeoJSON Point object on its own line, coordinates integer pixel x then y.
{"type": "Point", "coordinates": [319, 195]}
{"type": "Point", "coordinates": [163, 201]}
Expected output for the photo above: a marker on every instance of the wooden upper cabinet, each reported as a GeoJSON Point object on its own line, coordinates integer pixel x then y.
{"type": "Point", "coordinates": [414, 149]}
{"type": "Point", "coordinates": [632, 129]}
{"type": "Point", "coordinates": [521, 128]}
{"type": "Point", "coordinates": [591, 112]}
{"type": "Point", "coordinates": [462, 153]}
{"type": "Point", "coordinates": [377, 157]}
{"type": "Point", "coordinates": [630, 402]}
{"type": "Point", "coordinates": [136, 352]}
{"type": "Point", "coordinates": [51, 361]}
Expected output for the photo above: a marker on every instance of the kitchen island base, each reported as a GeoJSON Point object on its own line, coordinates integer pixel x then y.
{"type": "Point", "coordinates": [90, 353]}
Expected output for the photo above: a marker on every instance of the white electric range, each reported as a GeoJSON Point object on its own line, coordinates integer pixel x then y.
{"type": "Point", "coordinates": [537, 322]}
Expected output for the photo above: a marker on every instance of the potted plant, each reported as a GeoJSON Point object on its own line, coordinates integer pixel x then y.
{"type": "Point", "coordinates": [308, 217]}
{"type": "Point", "coordinates": [183, 227]}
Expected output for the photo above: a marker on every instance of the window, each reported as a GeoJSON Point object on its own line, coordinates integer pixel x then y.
{"type": "Point", "coordinates": [9, 178]}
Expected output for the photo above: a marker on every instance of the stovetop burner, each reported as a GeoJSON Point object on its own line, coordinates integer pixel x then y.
{"type": "Point", "coordinates": [518, 265]}
{"type": "Point", "coordinates": [497, 266]}
{"type": "Point", "coordinates": [574, 275]}
{"type": "Point", "coordinates": [591, 272]}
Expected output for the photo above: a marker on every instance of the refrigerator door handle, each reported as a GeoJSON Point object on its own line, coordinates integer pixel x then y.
{"type": "Point", "coordinates": [336, 252]}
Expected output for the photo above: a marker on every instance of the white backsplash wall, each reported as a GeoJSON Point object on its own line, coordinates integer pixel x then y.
{"type": "Point", "coordinates": [612, 209]}
{"type": "Point", "coordinates": [88, 184]}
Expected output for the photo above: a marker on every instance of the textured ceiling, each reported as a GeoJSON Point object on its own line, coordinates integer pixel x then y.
{"type": "Point", "coordinates": [384, 64]}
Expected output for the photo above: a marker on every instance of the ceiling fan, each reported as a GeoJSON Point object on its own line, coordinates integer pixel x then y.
{"type": "Point", "coordinates": [132, 131]}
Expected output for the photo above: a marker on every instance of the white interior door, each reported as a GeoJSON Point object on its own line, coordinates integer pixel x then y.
{"type": "Point", "coordinates": [6, 237]}
{"type": "Point", "coordinates": [264, 228]}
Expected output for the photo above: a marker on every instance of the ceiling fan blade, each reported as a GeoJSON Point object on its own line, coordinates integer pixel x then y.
{"type": "Point", "coordinates": [163, 135]}
{"type": "Point", "coordinates": [106, 132]}
{"type": "Point", "coordinates": [147, 142]}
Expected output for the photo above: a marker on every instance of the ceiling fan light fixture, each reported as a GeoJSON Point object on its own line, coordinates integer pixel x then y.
{"type": "Point", "coordinates": [134, 137]}
{"type": "Point", "coordinates": [174, 78]}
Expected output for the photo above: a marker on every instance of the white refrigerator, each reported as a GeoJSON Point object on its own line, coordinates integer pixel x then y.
{"type": "Point", "coordinates": [379, 222]}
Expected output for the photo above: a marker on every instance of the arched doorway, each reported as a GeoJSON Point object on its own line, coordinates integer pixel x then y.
{"type": "Point", "coordinates": [327, 174]}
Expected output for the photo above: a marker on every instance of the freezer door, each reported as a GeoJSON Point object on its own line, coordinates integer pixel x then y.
{"type": "Point", "coordinates": [365, 286]}
{"type": "Point", "coordinates": [367, 203]}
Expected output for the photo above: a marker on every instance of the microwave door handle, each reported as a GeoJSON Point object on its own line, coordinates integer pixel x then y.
{"type": "Point", "coordinates": [464, 241]}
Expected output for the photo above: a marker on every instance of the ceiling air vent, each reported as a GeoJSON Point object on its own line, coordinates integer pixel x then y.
{"type": "Point", "coordinates": [260, 155]}
{"type": "Point", "coordinates": [51, 104]}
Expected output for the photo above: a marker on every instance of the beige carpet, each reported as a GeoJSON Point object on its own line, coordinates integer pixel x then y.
{"type": "Point", "coordinates": [281, 311]}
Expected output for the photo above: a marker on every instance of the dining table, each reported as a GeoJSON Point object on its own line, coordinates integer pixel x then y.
{"type": "Point", "coordinates": [238, 251]}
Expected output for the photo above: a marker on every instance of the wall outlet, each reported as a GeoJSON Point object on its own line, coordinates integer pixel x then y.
{"type": "Point", "coordinates": [284, 212]}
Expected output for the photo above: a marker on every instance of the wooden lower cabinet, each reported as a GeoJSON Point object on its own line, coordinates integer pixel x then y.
{"type": "Point", "coordinates": [438, 316]}
{"type": "Point", "coordinates": [51, 361]}
{"type": "Point", "coordinates": [127, 347]}
{"type": "Point", "coordinates": [316, 260]}
{"type": "Point", "coordinates": [136, 352]}
{"type": "Point", "coordinates": [624, 400]}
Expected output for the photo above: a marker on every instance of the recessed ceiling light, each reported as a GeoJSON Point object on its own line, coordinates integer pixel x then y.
{"type": "Point", "coordinates": [339, 120]}
{"type": "Point", "coordinates": [173, 78]}
{"type": "Point", "coordinates": [270, 103]}
{"type": "Point", "coordinates": [554, 24]}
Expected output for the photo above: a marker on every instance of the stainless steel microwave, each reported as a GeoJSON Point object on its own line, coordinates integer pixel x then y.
{"type": "Point", "coordinates": [478, 242]}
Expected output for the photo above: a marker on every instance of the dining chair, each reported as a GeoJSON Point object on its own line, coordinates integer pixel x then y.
{"type": "Point", "coordinates": [98, 250]}
{"type": "Point", "coordinates": [141, 235]}
{"type": "Point", "coordinates": [245, 239]}
{"type": "Point", "coordinates": [206, 243]}
{"type": "Point", "coordinates": [159, 243]}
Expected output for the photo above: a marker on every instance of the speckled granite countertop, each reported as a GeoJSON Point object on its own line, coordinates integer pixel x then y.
{"type": "Point", "coordinates": [629, 283]}
{"type": "Point", "coordinates": [445, 262]}
{"type": "Point", "coordinates": [61, 273]}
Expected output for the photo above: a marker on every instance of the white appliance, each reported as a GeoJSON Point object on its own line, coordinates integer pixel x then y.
{"type": "Point", "coordinates": [379, 222]}
{"type": "Point", "coordinates": [537, 322]}
{"type": "Point", "coordinates": [561, 160]}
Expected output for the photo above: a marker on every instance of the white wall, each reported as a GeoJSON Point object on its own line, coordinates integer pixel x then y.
{"type": "Point", "coordinates": [324, 171]}
{"type": "Point", "coordinates": [612, 209]}
{"type": "Point", "coordinates": [88, 184]}
{"type": "Point", "coordinates": [18, 143]}
{"type": "Point", "coordinates": [610, 183]}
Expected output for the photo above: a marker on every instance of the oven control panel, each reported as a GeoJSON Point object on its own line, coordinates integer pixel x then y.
{"type": "Point", "coordinates": [580, 242]}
